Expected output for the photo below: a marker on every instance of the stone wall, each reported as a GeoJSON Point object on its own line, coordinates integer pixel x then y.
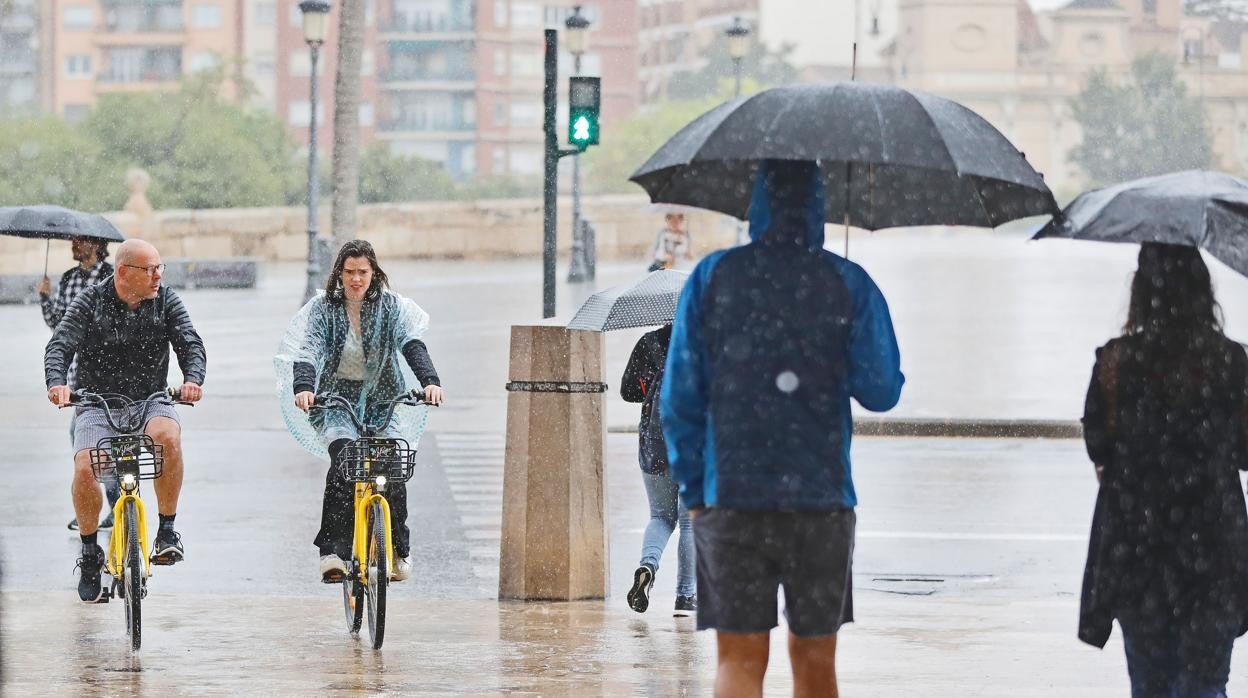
{"type": "Point", "coordinates": [625, 226]}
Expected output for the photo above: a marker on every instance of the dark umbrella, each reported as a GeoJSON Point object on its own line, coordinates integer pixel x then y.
{"type": "Point", "coordinates": [889, 157]}
{"type": "Point", "coordinates": [55, 223]}
{"type": "Point", "coordinates": [1194, 208]}
{"type": "Point", "coordinates": [651, 301]}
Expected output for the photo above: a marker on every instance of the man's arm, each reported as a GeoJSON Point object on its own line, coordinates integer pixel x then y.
{"type": "Point", "coordinates": [67, 336]}
{"type": "Point", "coordinates": [187, 344]}
{"type": "Point", "coordinates": [875, 377]}
{"type": "Point", "coordinates": [684, 398]}
{"type": "Point", "coordinates": [52, 305]}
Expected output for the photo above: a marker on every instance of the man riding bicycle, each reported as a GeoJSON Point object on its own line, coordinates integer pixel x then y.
{"type": "Point", "coordinates": [120, 331]}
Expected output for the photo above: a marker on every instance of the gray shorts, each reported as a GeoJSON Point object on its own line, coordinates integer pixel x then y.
{"type": "Point", "coordinates": [744, 557]}
{"type": "Point", "coordinates": [90, 425]}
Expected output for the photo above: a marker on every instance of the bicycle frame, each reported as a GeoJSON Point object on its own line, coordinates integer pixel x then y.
{"type": "Point", "coordinates": [365, 496]}
{"type": "Point", "coordinates": [117, 543]}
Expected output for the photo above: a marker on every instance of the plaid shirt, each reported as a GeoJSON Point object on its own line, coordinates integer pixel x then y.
{"type": "Point", "coordinates": [72, 283]}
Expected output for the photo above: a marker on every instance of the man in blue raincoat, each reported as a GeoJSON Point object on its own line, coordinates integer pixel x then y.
{"type": "Point", "coordinates": [770, 342]}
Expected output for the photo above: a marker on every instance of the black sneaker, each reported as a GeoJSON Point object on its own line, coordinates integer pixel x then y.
{"type": "Point", "coordinates": [73, 524]}
{"type": "Point", "coordinates": [639, 595]}
{"type": "Point", "coordinates": [89, 588]}
{"type": "Point", "coordinates": [685, 606]}
{"type": "Point", "coordinates": [106, 523]}
{"type": "Point", "coordinates": [168, 547]}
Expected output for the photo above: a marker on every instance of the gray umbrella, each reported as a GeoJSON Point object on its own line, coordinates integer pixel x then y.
{"type": "Point", "coordinates": [55, 223]}
{"type": "Point", "coordinates": [1193, 208]}
{"type": "Point", "coordinates": [889, 157]}
{"type": "Point", "coordinates": [651, 301]}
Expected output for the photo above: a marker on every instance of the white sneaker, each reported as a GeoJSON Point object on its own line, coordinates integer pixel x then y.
{"type": "Point", "coordinates": [333, 569]}
{"type": "Point", "coordinates": [402, 569]}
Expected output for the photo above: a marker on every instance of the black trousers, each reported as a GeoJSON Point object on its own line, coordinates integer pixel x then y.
{"type": "Point", "coordinates": [338, 512]}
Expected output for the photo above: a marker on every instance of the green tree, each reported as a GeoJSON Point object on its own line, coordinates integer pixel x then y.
{"type": "Point", "coordinates": [761, 66]}
{"type": "Point", "coordinates": [388, 177]}
{"type": "Point", "coordinates": [1143, 126]}
{"type": "Point", "coordinates": [629, 143]}
{"type": "Point", "coordinates": [48, 161]}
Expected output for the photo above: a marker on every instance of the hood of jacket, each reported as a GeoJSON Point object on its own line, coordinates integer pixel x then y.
{"type": "Point", "coordinates": [788, 204]}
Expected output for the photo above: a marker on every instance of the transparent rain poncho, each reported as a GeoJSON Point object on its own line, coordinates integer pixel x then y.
{"type": "Point", "coordinates": [316, 336]}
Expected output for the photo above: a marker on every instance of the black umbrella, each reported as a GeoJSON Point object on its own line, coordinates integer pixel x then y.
{"type": "Point", "coordinates": [651, 301]}
{"type": "Point", "coordinates": [1194, 208]}
{"type": "Point", "coordinates": [890, 157]}
{"type": "Point", "coordinates": [55, 223]}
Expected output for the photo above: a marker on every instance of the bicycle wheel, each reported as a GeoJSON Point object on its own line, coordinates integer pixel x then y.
{"type": "Point", "coordinates": [378, 576]}
{"type": "Point", "coordinates": [132, 577]}
{"type": "Point", "coordinates": [353, 600]}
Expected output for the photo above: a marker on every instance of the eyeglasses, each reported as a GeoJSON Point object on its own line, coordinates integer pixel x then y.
{"type": "Point", "coordinates": [150, 271]}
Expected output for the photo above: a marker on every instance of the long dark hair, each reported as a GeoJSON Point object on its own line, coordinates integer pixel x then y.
{"type": "Point", "coordinates": [356, 248]}
{"type": "Point", "coordinates": [1171, 293]}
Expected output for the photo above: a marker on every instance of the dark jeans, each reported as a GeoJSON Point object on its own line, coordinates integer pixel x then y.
{"type": "Point", "coordinates": [338, 512]}
{"type": "Point", "coordinates": [1179, 657]}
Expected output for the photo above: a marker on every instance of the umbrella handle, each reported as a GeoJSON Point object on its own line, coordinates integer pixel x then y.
{"type": "Point", "coordinates": [47, 252]}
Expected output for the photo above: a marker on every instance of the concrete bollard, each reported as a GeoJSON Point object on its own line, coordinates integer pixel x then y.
{"type": "Point", "coordinates": [554, 542]}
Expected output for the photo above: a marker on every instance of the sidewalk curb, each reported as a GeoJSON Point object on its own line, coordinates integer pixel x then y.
{"type": "Point", "coordinates": [960, 428]}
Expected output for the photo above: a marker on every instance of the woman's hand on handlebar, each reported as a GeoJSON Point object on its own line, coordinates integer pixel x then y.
{"type": "Point", "coordinates": [304, 400]}
{"type": "Point", "coordinates": [433, 395]}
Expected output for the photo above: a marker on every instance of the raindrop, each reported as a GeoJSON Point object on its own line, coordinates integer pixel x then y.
{"type": "Point", "coordinates": [787, 382]}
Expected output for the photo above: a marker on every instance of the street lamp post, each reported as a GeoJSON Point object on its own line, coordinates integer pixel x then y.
{"type": "Point", "coordinates": [581, 268]}
{"type": "Point", "coordinates": [315, 21]}
{"type": "Point", "coordinates": [738, 34]}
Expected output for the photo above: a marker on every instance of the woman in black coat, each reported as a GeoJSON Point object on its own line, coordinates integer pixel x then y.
{"type": "Point", "coordinates": [642, 380]}
{"type": "Point", "coordinates": [1166, 424]}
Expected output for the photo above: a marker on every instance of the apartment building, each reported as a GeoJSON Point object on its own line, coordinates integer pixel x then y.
{"type": "Point", "coordinates": [674, 36]}
{"type": "Point", "coordinates": [19, 67]}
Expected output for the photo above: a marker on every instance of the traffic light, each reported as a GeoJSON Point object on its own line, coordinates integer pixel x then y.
{"type": "Point", "coordinates": [584, 102]}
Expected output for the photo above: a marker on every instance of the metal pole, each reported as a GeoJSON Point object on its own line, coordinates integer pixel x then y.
{"type": "Point", "coordinates": [550, 174]}
{"type": "Point", "coordinates": [578, 269]}
{"type": "Point", "coordinates": [742, 235]}
{"type": "Point", "coordinates": [314, 257]}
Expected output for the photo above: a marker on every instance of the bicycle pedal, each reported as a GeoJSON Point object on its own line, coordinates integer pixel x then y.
{"type": "Point", "coordinates": [166, 560]}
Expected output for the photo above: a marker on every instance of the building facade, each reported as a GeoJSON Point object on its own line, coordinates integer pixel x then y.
{"type": "Point", "coordinates": [19, 65]}
{"type": "Point", "coordinates": [1020, 69]}
{"type": "Point", "coordinates": [674, 36]}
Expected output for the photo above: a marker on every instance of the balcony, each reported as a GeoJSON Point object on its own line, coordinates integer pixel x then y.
{"type": "Point", "coordinates": [118, 77]}
{"type": "Point", "coordinates": [143, 18]}
{"type": "Point", "coordinates": [413, 78]}
{"type": "Point", "coordinates": [17, 63]}
{"type": "Point", "coordinates": [424, 123]}
{"type": "Point", "coordinates": [418, 26]}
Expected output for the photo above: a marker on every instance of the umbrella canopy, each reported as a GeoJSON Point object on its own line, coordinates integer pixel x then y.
{"type": "Point", "coordinates": [56, 223]}
{"type": "Point", "coordinates": [889, 157]}
{"type": "Point", "coordinates": [651, 301]}
{"type": "Point", "coordinates": [1194, 208]}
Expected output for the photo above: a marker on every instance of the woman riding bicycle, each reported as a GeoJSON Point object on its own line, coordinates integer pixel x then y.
{"type": "Point", "coordinates": [361, 341]}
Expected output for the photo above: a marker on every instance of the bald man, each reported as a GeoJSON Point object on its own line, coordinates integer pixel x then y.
{"type": "Point", "coordinates": [121, 330]}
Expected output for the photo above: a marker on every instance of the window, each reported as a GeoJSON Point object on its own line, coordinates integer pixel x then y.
{"type": "Point", "coordinates": [366, 114]}
{"type": "Point", "coordinates": [204, 60]}
{"type": "Point", "coordinates": [301, 113]}
{"type": "Point", "coordinates": [526, 114]}
{"type": "Point", "coordinates": [526, 15]}
{"type": "Point", "coordinates": [266, 14]}
{"type": "Point", "coordinates": [300, 63]}
{"type": "Point", "coordinates": [500, 113]}
{"type": "Point", "coordinates": [526, 160]}
{"type": "Point", "coordinates": [526, 65]}
{"type": "Point", "coordinates": [370, 12]}
{"type": "Point", "coordinates": [79, 17]}
{"type": "Point", "coordinates": [367, 62]}
{"type": "Point", "coordinates": [500, 61]}
{"type": "Point", "coordinates": [78, 67]}
{"type": "Point", "coordinates": [1150, 7]}
{"type": "Point", "coordinates": [470, 113]}
{"type": "Point", "coordinates": [206, 16]}
{"type": "Point", "coordinates": [500, 161]}
{"type": "Point", "coordinates": [500, 13]}
{"type": "Point", "coordinates": [263, 67]}
{"type": "Point", "coordinates": [295, 17]}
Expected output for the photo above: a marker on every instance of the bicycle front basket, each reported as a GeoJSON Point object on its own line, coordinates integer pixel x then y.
{"type": "Point", "coordinates": [134, 454]}
{"type": "Point", "coordinates": [365, 458]}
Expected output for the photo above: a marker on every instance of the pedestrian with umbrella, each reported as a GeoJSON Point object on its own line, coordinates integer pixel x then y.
{"type": "Point", "coordinates": [88, 235]}
{"type": "Point", "coordinates": [1166, 426]}
{"type": "Point", "coordinates": [649, 302]}
{"type": "Point", "coordinates": [773, 339]}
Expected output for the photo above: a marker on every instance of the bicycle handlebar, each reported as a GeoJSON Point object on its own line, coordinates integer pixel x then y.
{"type": "Point", "coordinates": [101, 401]}
{"type": "Point", "coordinates": [329, 401]}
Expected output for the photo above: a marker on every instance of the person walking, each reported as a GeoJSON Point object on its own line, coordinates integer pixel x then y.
{"type": "Point", "coordinates": [355, 340]}
{"type": "Point", "coordinates": [1166, 426]}
{"type": "Point", "coordinates": [641, 383]}
{"type": "Point", "coordinates": [673, 246]}
{"type": "Point", "coordinates": [91, 256]}
{"type": "Point", "coordinates": [770, 343]}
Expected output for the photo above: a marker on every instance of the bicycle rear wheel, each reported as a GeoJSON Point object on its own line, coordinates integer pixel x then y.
{"type": "Point", "coordinates": [353, 600]}
{"type": "Point", "coordinates": [132, 577]}
{"type": "Point", "coordinates": [378, 566]}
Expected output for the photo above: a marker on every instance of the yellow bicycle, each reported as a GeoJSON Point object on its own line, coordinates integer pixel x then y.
{"type": "Point", "coordinates": [131, 456]}
{"type": "Point", "coordinates": [371, 462]}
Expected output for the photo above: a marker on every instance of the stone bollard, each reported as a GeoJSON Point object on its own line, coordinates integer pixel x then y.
{"type": "Point", "coordinates": [554, 542]}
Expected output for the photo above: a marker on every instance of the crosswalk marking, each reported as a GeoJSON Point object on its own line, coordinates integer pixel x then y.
{"type": "Point", "coordinates": [473, 466]}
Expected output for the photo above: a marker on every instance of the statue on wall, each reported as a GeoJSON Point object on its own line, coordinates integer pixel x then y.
{"type": "Point", "coordinates": [137, 181]}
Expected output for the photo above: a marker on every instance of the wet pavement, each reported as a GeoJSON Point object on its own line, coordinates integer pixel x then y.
{"type": "Point", "coordinates": [969, 552]}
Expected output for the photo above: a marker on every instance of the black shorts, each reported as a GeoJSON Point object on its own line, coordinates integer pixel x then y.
{"type": "Point", "coordinates": [744, 557]}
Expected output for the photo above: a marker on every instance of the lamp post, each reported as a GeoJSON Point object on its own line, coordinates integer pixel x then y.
{"type": "Point", "coordinates": [738, 35]}
{"type": "Point", "coordinates": [315, 22]}
{"type": "Point", "coordinates": [1197, 54]}
{"type": "Point", "coordinates": [576, 36]}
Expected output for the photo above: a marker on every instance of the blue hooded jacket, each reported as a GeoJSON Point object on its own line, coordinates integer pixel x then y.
{"type": "Point", "coordinates": [770, 342]}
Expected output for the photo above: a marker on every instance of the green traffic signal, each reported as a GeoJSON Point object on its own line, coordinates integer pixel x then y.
{"type": "Point", "coordinates": [583, 128]}
{"type": "Point", "coordinates": [584, 102]}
